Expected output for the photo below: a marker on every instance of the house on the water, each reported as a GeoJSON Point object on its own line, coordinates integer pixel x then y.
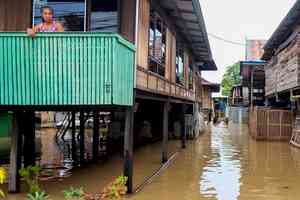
{"type": "Point", "coordinates": [208, 88]}
{"type": "Point", "coordinates": [141, 58]}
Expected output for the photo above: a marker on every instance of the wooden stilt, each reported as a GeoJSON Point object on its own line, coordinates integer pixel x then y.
{"type": "Point", "coordinates": [183, 127]}
{"type": "Point", "coordinates": [74, 151]}
{"type": "Point", "coordinates": [15, 155]}
{"type": "Point", "coordinates": [81, 134]}
{"type": "Point", "coordinates": [128, 148]}
{"type": "Point", "coordinates": [29, 139]}
{"type": "Point", "coordinates": [96, 135]}
{"type": "Point", "coordinates": [165, 132]}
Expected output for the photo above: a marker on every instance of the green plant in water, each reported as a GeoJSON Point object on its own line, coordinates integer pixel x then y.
{"type": "Point", "coordinates": [74, 194]}
{"type": "Point", "coordinates": [3, 177]}
{"type": "Point", "coordinates": [41, 195]}
{"type": "Point", "coordinates": [30, 175]}
{"type": "Point", "coordinates": [116, 189]}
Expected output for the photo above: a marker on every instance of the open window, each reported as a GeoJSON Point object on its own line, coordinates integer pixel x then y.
{"type": "Point", "coordinates": [82, 15]}
{"type": "Point", "coordinates": [104, 16]}
{"type": "Point", "coordinates": [179, 64]}
{"type": "Point", "coordinates": [191, 75]}
{"type": "Point", "coordinates": [69, 12]}
{"type": "Point", "coordinates": [157, 44]}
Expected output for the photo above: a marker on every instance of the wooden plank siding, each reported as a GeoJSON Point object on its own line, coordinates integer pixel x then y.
{"type": "Point", "coordinates": [143, 34]}
{"type": "Point", "coordinates": [206, 98]}
{"type": "Point", "coordinates": [282, 71]}
{"type": "Point", "coordinates": [128, 14]}
{"type": "Point", "coordinates": [15, 15]}
{"type": "Point", "coordinates": [152, 82]}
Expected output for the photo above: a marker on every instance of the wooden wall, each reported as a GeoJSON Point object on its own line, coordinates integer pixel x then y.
{"type": "Point", "coordinates": [128, 14]}
{"type": "Point", "coordinates": [15, 15]}
{"type": "Point", "coordinates": [206, 97]}
{"type": "Point", "coordinates": [282, 71]}
{"type": "Point", "coordinates": [143, 33]}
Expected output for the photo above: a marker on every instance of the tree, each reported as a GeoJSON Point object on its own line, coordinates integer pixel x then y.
{"type": "Point", "coordinates": [230, 78]}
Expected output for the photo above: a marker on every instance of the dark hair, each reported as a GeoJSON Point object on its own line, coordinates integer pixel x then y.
{"type": "Point", "coordinates": [44, 8]}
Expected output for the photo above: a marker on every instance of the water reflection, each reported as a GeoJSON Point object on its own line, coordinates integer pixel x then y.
{"type": "Point", "coordinates": [222, 173]}
{"type": "Point", "coordinates": [226, 164]}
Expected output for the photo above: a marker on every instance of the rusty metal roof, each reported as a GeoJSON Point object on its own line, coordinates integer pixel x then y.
{"type": "Point", "coordinates": [283, 32]}
{"type": "Point", "coordinates": [214, 86]}
{"type": "Point", "coordinates": [190, 23]}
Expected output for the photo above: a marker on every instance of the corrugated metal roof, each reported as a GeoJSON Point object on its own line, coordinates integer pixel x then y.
{"type": "Point", "coordinates": [214, 86]}
{"type": "Point", "coordinates": [189, 21]}
{"type": "Point", "coordinates": [284, 30]}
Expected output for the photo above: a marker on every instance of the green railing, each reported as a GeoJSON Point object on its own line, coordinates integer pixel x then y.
{"type": "Point", "coordinates": [66, 69]}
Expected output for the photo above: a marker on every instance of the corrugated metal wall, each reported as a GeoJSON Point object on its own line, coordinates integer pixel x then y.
{"type": "Point", "coordinates": [66, 69]}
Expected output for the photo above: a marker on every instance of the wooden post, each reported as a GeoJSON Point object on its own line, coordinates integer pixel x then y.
{"type": "Point", "coordinates": [165, 132]}
{"type": "Point", "coordinates": [183, 127]}
{"type": "Point", "coordinates": [96, 135]}
{"type": "Point", "coordinates": [74, 151]}
{"type": "Point", "coordinates": [128, 148]}
{"type": "Point", "coordinates": [28, 130]}
{"type": "Point", "coordinates": [81, 135]}
{"type": "Point", "coordinates": [15, 155]}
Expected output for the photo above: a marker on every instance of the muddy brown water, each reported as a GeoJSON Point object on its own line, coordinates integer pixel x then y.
{"type": "Point", "coordinates": [223, 164]}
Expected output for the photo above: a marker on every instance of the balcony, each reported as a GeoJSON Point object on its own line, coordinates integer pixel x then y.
{"type": "Point", "coordinates": [66, 69]}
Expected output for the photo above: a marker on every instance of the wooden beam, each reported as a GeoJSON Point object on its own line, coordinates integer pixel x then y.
{"type": "Point", "coordinates": [96, 135]}
{"type": "Point", "coordinates": [81, 136]}
{"type": "Point", "coordinates": [74, 151]}
{"type": "Point", "coordinates": [128, 148]}
{"type": "Point", "coordinates": [15, 155]}
{"type": "Point", "coordinates": [183, 127]}
{"type": "Point", "coordinates": [29, 138]}
{"type": "Point", "coordinates": [165, 132]}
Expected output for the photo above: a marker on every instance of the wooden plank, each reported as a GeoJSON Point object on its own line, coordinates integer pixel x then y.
{"type": "Point", "coordinates": [143, 34]}
{"type": "Point", "coordinates": [127, 17]}
{"type": "Point", "coordinates": [29, 139]}
{"type": "Point", "coordinates": [15, 155]}
{"type": "Point", "coordinates": [81, 136]}
{"type": "Point", "coordinates": [15, 15]}
{"type": "Point", "coordinates": [128, 148]}
{"type": "Point", "coordinates": [165, 132]}
{"type": "Point", "coordinates": [96, 126]}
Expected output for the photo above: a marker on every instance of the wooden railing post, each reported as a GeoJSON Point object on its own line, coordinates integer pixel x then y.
{"type": "Point", "coordinates": [15, 155]}
{"type": "Point", "coordinates": [165, 132]}
{"type": "Point", "coordinates": [128, 148]}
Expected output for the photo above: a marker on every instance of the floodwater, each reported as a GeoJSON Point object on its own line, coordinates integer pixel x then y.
{"type": "Point", "coordinates": [223, 164]}
{"type": "Point", "coordinates": [226, 164]}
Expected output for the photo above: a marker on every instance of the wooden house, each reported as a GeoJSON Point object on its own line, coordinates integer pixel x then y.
{"type": "Point", "coordinates": [131, 56]}
{"type": "Point", "coordinates": [282, 56]}
{"type": "Point", "coordinates": [252, 82]}
{"type": "Point", "coordinates": [207, 100]}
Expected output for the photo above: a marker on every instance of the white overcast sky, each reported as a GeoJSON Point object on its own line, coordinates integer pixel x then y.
{"type": "Point", "coordinates": [237, 20]}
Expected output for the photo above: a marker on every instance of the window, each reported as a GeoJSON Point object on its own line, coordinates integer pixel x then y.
{"type": "Point", "coordinates": [157, 44]}
{"type": "Point", "coordinates": [191, 76]}
{"type": "Point", "coordinates": [179, 64]}
{"type": "Point", "coordinates": [103, 15]}
{"type": "Point", "coordinates": [70, 12]}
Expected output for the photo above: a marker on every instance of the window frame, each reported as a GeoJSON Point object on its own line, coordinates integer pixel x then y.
{"type": "Point", "coordinates": [87, 16]}
{"type": "Point", "coordinates": [158, 64]}
{"type": "Point", "coordinates": [179, 50]}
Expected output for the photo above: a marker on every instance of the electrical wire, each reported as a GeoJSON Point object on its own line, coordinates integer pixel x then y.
{"type": "Point", "coordinates": [225, 40]}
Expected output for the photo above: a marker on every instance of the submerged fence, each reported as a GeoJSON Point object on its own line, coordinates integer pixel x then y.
{"type": "Point", "coordinates": [270, 124]}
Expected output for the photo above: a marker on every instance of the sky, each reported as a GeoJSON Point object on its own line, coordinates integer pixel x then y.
{"type": "Point", "coordinates": [236, 20]}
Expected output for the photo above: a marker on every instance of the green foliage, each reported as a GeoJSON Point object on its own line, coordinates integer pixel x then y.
{"type": "Point", "coordinates": [41, 195]}
{"type": "Point", "coordinates": [116, 189]}
{"type": "Point", "coordinates": [30, 175]}
{"type": "Point", "coordinates": [230, 78]}
{"type": "Point", "coordinates": [74, 194]}
{"type": "Point", "coordinates": [3, 177]}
